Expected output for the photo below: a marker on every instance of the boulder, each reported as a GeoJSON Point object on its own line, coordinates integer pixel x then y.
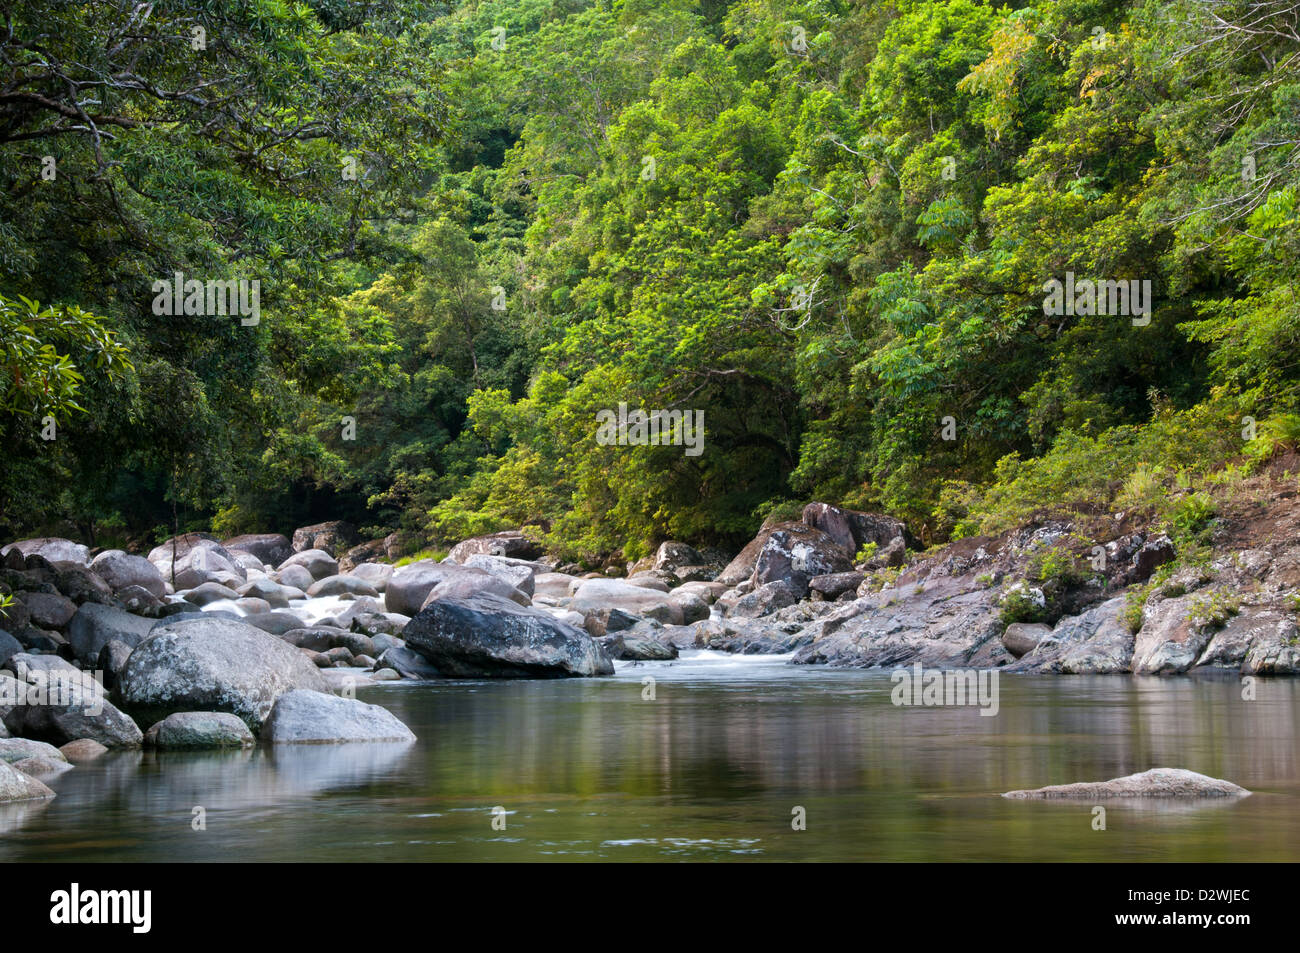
{"type": "Point", "coordinates": [121, 570]}
{"type": "Point", "coordinates": [1172, 637]}
{"type": "Point", "coordinates": [199, 729]}
{"type": "Point", "coordinates": [138, 601]}
{"type": "Point", "coordinates": [375, 574]}
{"type": "Point", "coordinates": [53, 548]}
{"type": "Point", "coordinates": [795, 555]}
{"type": "Point", "coordinates": [1020, 638]}
{"type": "Point", "coordinates": [510, 543]}
{"type": "Point", "coordinates": [212, 664]}
{"type": "Point", "coordinates": [318, 562]}
{"type": "Point", "coordinates": [851, 529]}
{"type": "Point", "coordinates": [9, 647]}
{"type": "Point", "coordinates": [1156, 783]}
{"type": "Point", "coordinates": [764, 600]}
{"type": "Point", "coordinates": [338, 585]}
{"type": "Point", "coordinates": [295, 577]}
{"type": "Point", "coordinates": [112, 659]}
{"type": "Point", "coordinates": [833, 585]}
{"type": "Point", "coordinates": [94, 626]}
{"type": "Point", "coordinates": [42, 768]}
{"type": "Point", "coordinates": [332, 537]}
{"type": "Point", "coordinates": [693, 606]}
{"type": "Point", "coordinates": [271, 549]}
{"type": "Point", "coordinates": [195, 558]}
{"type": "Point", "coordinates": [602, 622]}
{"type": "Point", "coordinates": [362, 553]}
{"type": "Point", "coordinates": [210, 592]}
{"type": "Point", "coordinates": [1153, 554]}
{"type": "Point", "coordinates": [78, 708]}
{"type": "Point", "coordinates": [598, 594]}
{"type": "Point", "coordinates": [487, 635]}
{"type": "Point", "coordinates": [80, 584]}
{"type": "Point", "coordinates": [407, 663]}
{"type": "Point", "coordinates": [673, 555]}
{"type": "Point", "coordinates": [307, 717]}
{"type": "Point", "coordinates": [272, 593]}
{"type": "Point", "coordinates": [276, 622]}
{"type": "Point", "coordinates": [49, 610]}
{"type": "Point", "coordinates": [17, 786]}
{"type": "Point", "coordinates": [83, 750]}
{"type": "Point", "coordinates": [517, 572]}
{"type": "Point", "coordinates": [16, 749]}
{"type": "Point", "coordinates": [412, 586]}
{"type": "Point", "coordinates": [631, 646]}
{"type": "Point", "coordinates": [553, 585]}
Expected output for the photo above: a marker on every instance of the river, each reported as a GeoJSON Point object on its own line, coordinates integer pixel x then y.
{"type": "Point", "coordinates": [712, 768]}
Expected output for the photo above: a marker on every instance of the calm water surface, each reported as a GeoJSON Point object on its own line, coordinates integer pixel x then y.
{"type": "Point", "coordinates": [711, 769]}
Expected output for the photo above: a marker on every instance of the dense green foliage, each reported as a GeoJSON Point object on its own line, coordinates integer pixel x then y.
{"type": "Point", "coordinates": [826, 225]}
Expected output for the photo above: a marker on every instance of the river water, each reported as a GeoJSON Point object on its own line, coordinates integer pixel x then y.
{"type": "Point", "coordinates": [711, 768]}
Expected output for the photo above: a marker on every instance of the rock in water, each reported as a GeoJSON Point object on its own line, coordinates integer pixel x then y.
{"type": "Point", "coordinates": [305, 717]}
{"type": "Point", "coordinates": [17, 786]}
{"type": "Point", "coordinates": [1156, 783]}
{"type": "Point", "coordinates": [487, 635]}
{"type": "Point", "coordinates": [199, 729]}
{"type": "Point", "coordinates": [94, 626]}
{"type": "Point", "coordinates": [212, 664]}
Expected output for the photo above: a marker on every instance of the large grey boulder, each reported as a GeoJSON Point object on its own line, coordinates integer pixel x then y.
{"type": "Point", "coordinates": [49, 610]}
{"type": "Point", "coordinates": [121, 570]}
{"type": "Point", "coordinates": [407, 663]}
{"type": "Point", "coordinates": [852, 529]}
{"type": "Point", "coordinates": [1021, 638]}
{"type": "Point", "coordinates": [1156, 783]}
{"type": "Point", "coordinates": [16, 749]}
{"type": "Point", "coordinates": [306, 717]}
{"type": "Point", "coordinates": [1172, 637]}
{"type": "Point", "coordinates": [9, 647]}
{"type": "Point", "coordinates": [319, 563]}
{"type": "Point", "coordinates": [295, 577]}
{"type": "Point", "coordinates": [271, 549]}
{"type": "Point", "coordinates": [18, 786]}
{"type": "Point", "coordinates": [66, 704]}
{"type": "Point", "coordinates": [375, 574]}
{"type": "Point", "coordinates": [339, 585]}
{"type": "Point", "coordinates": [94, 626]}
{"type": "Point", "coordinates": [199, 729]}
{"type": "Point", "coordinates": [487, 635]}
{"type": "Point", "coordinates": [515, 572]}
{"type": "Point", "coordinates": [210, 592]}
{"type": "Point", "coordinates": [795, 556]}
{"type": "Point", "coordinates": [332, 537]}
{"type": "Point", "coordinates": [54, 548]}
{"type": "Point", "coordinates": [412, 586]}
{"type": "Point", "coordinates": [594, 595]}
{"type": "Point", "coordinates": [213, 664]}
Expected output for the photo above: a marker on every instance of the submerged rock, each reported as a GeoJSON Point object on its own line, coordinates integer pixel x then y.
{"type": "Point", "coordinates": [306, 717]}
{"type": "Point", "coordinates": [199, 729]}
{"type": "Point", "coordinates": [1156, 783]}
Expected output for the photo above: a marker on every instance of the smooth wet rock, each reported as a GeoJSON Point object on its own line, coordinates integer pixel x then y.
{"type": "Point", "coordinates": [17, 786]}
{"type": "Point", "coordinates": [1156, 783]}
{"type": "Point", "coordinates": [412, 586]}
{"type": "Point", "coordinates": [337, 585]}
{"type": "Point", "coordinates": [277, 622]}
{"type": "Point", "coordinates": [207, 664]}
{"type": "Point", "coordinates": [307, 717]}
{"type": "Point", "coordinates": [16, 749]}
{"type": "Point", "coordinates": [199, 729]}
{"type": "Point", "coordinates": [195, 558]}
{"type": "Point", "coordinates": [375, 574]}
{"type": "Point", "coordinates": [487, 635]}
{"type": "Point", "coordinates": [53, 548]}
{"type": "Point", "coordinates": [42, 768]}
{"type": "Point", "coordinates": [272, 593]}
{"type": "Point", "coordinates": [271, 549]}
{"type": "Point", "coordinates": [595, 595]}
{"type": "Point", "coordinates": [407, 663]}
{"type": "Point", "coordinates": [295, 576]}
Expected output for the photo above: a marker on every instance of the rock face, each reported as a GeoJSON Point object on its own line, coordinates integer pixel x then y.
{"type": "Point", "coordinates": [306, 717]}
{"type": "Point", "coordinates": [510, 543]}
{"type": "Point", "coordinates": [1156, 783]}
{"type": "Point", "coordinates": [1095, 642]}
{"type": "Point", "coordinates": [334, 537]}
{"type": "Point", "coordinates": [1171, 638]}
{"type": "Point", "coordinates": [94, 626]}
{"type": "Point", "coordinates": [199, 729]}
{"type": "Point", "coordinates": [271, 549]}
{"type": "Point", "coordinates": [213, 664]}
{"type": "Point", "coordinates": [122, 570]}
{"type": "Point", "coordinates": [487, 635]}
{"type": "Point", "coordinates": [17, 786]}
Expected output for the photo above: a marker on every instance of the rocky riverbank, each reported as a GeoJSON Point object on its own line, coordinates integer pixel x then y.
{"type": "Point", "coordinates": [263, 639]}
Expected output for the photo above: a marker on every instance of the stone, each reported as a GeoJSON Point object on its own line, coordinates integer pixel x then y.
{"type": "Point", "coordinates": [17, 786]}
{"type": "Point", "coordinates": [510, 543]}
{"type": "Point", "coordinates": [270, 549]}
{"type": "Point", "coordinates": [295, 576]}
{"type": "Point", "coordinates": [42, 768]}
{"type": "Point", "coordinates": [83, 750]}
{"type": "Point", "coordinates": [833, 585]}
{"type": "Point", "coordinates": [16, 749]}
{"type": "Point", "coordinates": [49, 610]}
{"type": "Point", "coordinates": [595, 595]}
{"type": "Point", "coordinates": [515, 572]}
{"type": "Point", "coordinates": [407, 663]}
{"type": "Point", "coordinates": [94, 626]}
{"type": "Point", "coordinates": [9, 647]}
{"type": "Point", "coordinates": [195, 558]}
{"type": "Point", "coordinates": [1021, 638]}
{"type": "Point", "coordinates": [121, 570]}
{"type": "Point", "coordinates": [276, 622]}
{"type": "Point", "coordinates": [199, 729]}
{"type": "Point", "coordinates": [375, 574]}
{"type": "Point", "coordinates": [795, 555]}
{"type": "Point", "coordinates": [307, 717]}
{"type": "Point", "coordinates": [852, 529]}
{"type": "Point", "coordinates": [1153, 554]}
{"type": "Point", "coordinates": [337, 585]}
{"type": "Point", "coordinates": [112, 659]}
{"type": "Point", "coordinates": [318, 562]}
{"type": "Point", "coordinates": [212, 664]}
{"type": "Point", "coordinates": [53, 548]}
{"type": "Point", "coordinates": [1156, 783]}
{"type": "Point", "coordinates": [331, 537]}
{"type": "Point", "coordinates": [84, 712]}
{"type": "Point", "coordinates": [487, 635]}
{"type": "Point", "coordinates": [1171, 638]}
{"type": "Point", "coordinates": [210, 592]}
{"type": "Point", "coordinates": [412, 586]}
{"type": "Point", "coordinates": [764, 600]}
